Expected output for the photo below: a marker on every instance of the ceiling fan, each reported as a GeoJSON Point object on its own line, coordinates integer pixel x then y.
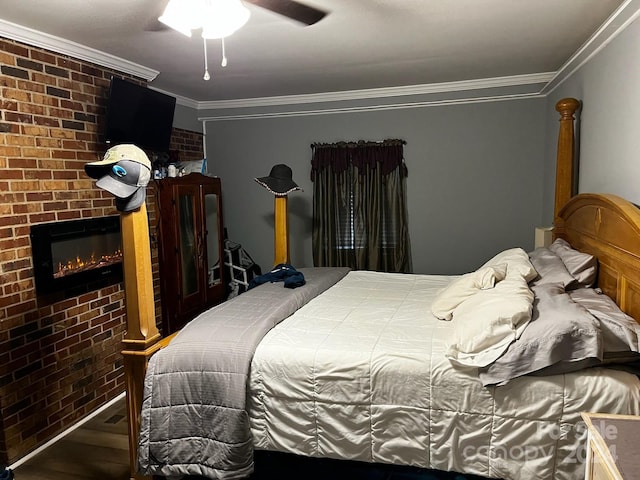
{"type": "Point", "coordinates": [292, 9]}
{"type": "Point", "coordinates": [218, 19]}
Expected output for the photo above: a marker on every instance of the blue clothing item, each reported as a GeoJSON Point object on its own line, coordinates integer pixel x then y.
{"type": "Point", "coordinates": [6, 474]}
{"type": "Point", "coordinates": [282, 272]}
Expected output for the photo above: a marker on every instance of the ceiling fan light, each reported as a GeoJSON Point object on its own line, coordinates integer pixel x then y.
{"type": "Point", "coordinates": [182, 15]}
{"type": "Point", "coordinates": [221, 18]}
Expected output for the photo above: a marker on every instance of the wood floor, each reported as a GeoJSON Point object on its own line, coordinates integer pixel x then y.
{"type": "Point", "coordinates": [97, 450]}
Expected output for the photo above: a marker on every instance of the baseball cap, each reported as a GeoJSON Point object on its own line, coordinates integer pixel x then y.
{"type": "Point", "coordinates": [131, 203]}
{"type": "Point", "coordinates": [124, 151]}
{"type": "Point", "coordinates": [124, 178]}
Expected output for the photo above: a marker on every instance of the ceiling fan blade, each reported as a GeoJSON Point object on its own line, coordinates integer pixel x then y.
{"type": "Point", "coordinates": [291, 9]}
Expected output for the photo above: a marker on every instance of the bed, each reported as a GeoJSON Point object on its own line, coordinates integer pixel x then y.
{"type": "Point", "coordinates": [362, 366]}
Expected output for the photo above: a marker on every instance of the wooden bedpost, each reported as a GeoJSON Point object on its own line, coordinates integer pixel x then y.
{"type": "Point", "coordinates": [565, 155]}
{"type": "Point", "coordinates": [281, 238]}
{"type": "Point", "coordinates": [142, 333]}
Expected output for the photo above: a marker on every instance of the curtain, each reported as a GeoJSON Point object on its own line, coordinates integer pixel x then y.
{"type": "Point", "coordinates": [359, 206]}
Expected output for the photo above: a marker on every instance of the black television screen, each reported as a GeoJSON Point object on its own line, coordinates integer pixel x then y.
{"type": "Point", "coordinates": [138, 115]}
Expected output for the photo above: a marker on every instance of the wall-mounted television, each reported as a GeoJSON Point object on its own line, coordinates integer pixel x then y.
{"type": "Point", "coordinates": [138, 115]}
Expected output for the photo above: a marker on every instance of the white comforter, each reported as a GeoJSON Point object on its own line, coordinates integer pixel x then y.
{"type": "Point", "coordinates": [360, 373]}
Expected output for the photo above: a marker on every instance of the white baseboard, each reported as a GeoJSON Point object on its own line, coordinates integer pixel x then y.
{"type": "Point", "coordinates": [32, 454]}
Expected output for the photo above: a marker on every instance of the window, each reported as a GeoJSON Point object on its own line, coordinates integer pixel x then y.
{"type": "Point", "coordinates": [359, 205]}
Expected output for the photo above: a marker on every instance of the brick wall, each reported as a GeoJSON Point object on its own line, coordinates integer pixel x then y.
{"type": "Point", "coordinates": [61, 361]}
{"type": "Point", "coordinates": [187, 145]}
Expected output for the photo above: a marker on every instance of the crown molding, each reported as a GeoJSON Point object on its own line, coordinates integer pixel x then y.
{"type": "Point", "coordinates": [619, 20]}
{"type": "Point", "coordinates": [377, 93]}
{"type": "Point", "coordinates": [75, 50]}
{"type": "Point", "coordinates": [180, 100]}
{"type": "Point", "coordinates": [369, 108]}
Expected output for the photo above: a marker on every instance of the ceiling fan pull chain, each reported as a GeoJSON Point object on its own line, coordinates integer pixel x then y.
{"type": "Point", "coordinates": [206, 65]}
{"type": "Point", "coordinates": [224, 55]}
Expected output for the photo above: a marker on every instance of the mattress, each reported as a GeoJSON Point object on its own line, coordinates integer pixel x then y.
{"type": "Point", "coordinates": [360, 373]}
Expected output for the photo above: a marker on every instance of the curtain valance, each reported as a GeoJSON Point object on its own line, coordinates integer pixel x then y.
{"type": "Point", "coordinates": [362, 154]}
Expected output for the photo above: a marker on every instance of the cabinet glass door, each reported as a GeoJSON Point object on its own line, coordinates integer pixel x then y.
{"type": "Point", "coordinates": [189, 245]}
{"type": "Point", "coordinates": [214, 261]}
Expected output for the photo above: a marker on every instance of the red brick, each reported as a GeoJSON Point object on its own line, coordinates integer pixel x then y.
{"type": "Point", "coordinates": [45, 99]}
{"type": "Point", "coordinates": [25, 185]}
{"type": "Point", "coordinates": [50, 122]}
{"type": "Point", "coordinates": [43, 56]}
{"type": "Point", "coordinates": [31, 108]}
{"type": "Point", "coordinates": [11, 174]}
{"type": "Point", "coordinates": [69, 63]}
{"type": "Point", "coordinates": [12, 220]}
{"type": "Point", "coordinates": [32, 87]}
{"type": "Point", "coordinates": [60, 133]}
{"type": "Point", "coordinates": [22, 163]}
{"type": "Point", "coordinates": [38, 174]}
{"type": "Point", "coordinates": [63, 154]}
{"type": "Point", "coordinates": [53, 206]}
{"type": "Point", "coordinates": [39, 196]}
{"type": "Point", "coordinates": [71, 105]}
{"type": "Point", "coordinates": [6, 104]}
{"type": "Point", "coordinates": [68, 215]}
{"type": "Point", "coordinates": [44, 78]}
{"type": "Point", "coordinates": [15, 94]}
{"type": "Point", "coordinates": [35, 131]}
{"type": "Point", "coordinates": [60, 113]}
{"type": "Point", "coordinates": [20, 140]}
{"type": "Point", "coordinates": [42, 218]}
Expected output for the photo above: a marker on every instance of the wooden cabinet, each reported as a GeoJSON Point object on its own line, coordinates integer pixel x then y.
{"type": "Point", "coordinates": [191, 248]}
{"type": "Point", "coordinates": [612, 446]}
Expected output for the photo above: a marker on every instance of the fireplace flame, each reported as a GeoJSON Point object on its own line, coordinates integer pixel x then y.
{"type": "Point", "coordinates": [80, 265]}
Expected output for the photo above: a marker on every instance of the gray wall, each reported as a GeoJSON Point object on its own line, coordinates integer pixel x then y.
{"type": "Point", "coordinates": [474, 187]}
{"type": "Point", "coordinates": [609, 128]}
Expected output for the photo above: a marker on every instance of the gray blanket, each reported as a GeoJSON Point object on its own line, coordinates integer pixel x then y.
{"type": "Point", "coordinates": [194, 419]}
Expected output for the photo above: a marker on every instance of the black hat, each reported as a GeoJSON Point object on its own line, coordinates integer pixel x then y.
{"type": "Point", "coordinates": [279, 182]}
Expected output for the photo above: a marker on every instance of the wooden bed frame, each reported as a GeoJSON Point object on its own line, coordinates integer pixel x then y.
{"type": "Point", "coordinates": [606, 226]}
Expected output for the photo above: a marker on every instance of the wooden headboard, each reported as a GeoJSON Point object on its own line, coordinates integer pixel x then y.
{"type": "Point", "coordinates": [608, 227]}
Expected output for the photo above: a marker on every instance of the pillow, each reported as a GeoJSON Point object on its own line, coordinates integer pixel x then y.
{"type": "Point", "coordinates": [582, 266]}
{"type": "Point", "coordinates": [517, 262]}
{"type": "Point", "coordinates": [561, 337]}
{"type": "Point", "coordinates": [550, 268]}
{"type": "Point", "coordinates": [464, 287]}
{"type": "Point", "coordinates": [620, 332]}
{"type": "Point", "coordinates": [486, 323]}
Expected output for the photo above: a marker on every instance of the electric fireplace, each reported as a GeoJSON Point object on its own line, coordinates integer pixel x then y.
{"type": "Point", "coordinates": [71, 258]}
